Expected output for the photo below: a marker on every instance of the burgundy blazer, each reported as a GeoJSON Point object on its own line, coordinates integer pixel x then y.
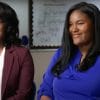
{"type": "Point", "coordinates": [18, 73]}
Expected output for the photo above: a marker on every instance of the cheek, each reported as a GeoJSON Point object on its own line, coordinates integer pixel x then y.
{"type": "Point", "coordinates": [87, 31]}
{"type": "Point", "coordinates": [1, 36]}
{"type": "Point", "coordinates": [86, 37]}
{"type": "Point", "coordinates": [2, 30]}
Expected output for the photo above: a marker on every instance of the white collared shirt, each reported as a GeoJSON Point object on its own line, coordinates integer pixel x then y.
{"type": "Point", "coordinates": [2, 55]}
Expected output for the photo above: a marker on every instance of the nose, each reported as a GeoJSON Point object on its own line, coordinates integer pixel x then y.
{"type": "Point", "coordinates": [74, 28]}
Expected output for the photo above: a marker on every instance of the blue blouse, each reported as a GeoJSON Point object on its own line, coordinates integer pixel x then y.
{"type": "Point", "coordinates": [72, 84]}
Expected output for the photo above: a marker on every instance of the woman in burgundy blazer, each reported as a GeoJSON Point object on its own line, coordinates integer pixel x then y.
{"type": "Point", "coordinates": [17, 70]}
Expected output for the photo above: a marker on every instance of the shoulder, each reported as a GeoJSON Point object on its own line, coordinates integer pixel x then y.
{"type": "Point", "coordinates": [57, 53]}
{"type": "Point", "coordinates": [21, 50]}
{"type": "Point", "coordinates": [98, 56]}
{"type": "Point", "coordinates": [55, 58]}
{"type": "Point", "coordinates": [98, 59]}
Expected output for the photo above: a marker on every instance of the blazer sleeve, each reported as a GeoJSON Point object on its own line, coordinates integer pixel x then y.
{"type": "Point", "coordinates": [25, 86]}
{"type": "Point", "coordinates": [46, 87]}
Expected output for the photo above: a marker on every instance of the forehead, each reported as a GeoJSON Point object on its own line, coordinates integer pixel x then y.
{"type": "Point", "coordinates": [78, 15]}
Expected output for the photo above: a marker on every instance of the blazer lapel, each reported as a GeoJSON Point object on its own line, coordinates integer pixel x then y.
{"type": "Point", "coordinates": [8, 61]}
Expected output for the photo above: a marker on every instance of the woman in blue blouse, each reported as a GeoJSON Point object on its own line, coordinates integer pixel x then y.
{"type": "Point", "coordinates": [74, 71]}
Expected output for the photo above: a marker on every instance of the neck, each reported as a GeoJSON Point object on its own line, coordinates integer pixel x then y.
{"type": "Point", "coordinates": [84, 50]}
{"type": "Point", "coordinates": [1, 47]}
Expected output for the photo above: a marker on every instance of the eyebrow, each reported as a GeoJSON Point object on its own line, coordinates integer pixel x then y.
{"type": "Point", "coordinates": [77, 20]}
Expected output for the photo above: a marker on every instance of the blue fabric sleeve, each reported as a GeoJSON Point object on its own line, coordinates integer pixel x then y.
{"type": "Point", "coordinates": [46, 87]}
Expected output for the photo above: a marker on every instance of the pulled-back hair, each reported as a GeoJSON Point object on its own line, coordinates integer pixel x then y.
{"type": "Point", "coordinates": [69, 49]}
{"type": "Point", "coordinates": [9, 17]}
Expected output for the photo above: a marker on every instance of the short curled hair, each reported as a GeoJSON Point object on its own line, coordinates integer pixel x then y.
{"type": "Point", "coordinates": [9, 17]}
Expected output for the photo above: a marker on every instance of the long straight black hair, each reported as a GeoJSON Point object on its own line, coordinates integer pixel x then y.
{"type": "Point", "coordinates": [9, 17]}
{"type": "Point", "coordinates": [69, 49]}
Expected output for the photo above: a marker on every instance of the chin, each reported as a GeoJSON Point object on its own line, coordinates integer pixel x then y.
{"type": "Point", "coordinates": [77, 43]}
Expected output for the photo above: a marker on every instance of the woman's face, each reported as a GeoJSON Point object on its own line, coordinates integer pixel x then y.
{"type": "Point", "coordinates": [80, 28]}
{"type": "Point", "coordinates": [2, 30]}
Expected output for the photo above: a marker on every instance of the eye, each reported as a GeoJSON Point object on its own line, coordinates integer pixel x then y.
{"type": "Point", "coordinates": [70, 24]}
{"type": "Point", "coordinates": [80, 23]}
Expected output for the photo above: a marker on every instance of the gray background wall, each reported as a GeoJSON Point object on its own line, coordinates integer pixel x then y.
{"type": "Point", "coordinates": [21, 8]}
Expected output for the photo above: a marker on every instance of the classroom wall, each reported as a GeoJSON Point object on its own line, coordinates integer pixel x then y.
{"type": "Point", "coordinates": [41, 58]}
{"type": "Point", "coordinates": [21, 8]}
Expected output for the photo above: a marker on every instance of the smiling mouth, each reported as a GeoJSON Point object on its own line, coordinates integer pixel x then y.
{"type": "Point", "coordinates": [76, 35]}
